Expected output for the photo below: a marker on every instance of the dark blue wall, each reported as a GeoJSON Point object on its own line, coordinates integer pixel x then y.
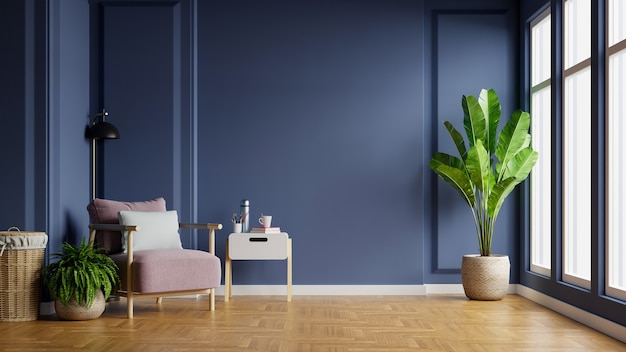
{"type": "Point", "coordinates": [44, 95]}
{"type": "Point", "coordinates": [69, 113]}
{"type": "Point", "coordinates": [13, 122]}
{"type": "Point", "coordinates": [323, 113]}
{"type": "Point", "coordinates": [313, 111]}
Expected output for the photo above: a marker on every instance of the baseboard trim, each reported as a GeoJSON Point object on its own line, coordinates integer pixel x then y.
{"type": "Point", "coordinates": [357, 290]}
{"type": "Point", "coordinates": [326, 290]}
{"type": "Point", "coordinates": [591, 320]}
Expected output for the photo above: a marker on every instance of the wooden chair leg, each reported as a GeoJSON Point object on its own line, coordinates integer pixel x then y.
{"type": "Point", "coordinates": [159, 300]}
{"type": "Point", "coordinates": [129, 306]}
{"type": "Point", "coordinates": [289, 270]}
{"type": "Point", "coordinates": [212, 300]}
{"type": "Point", "coordinates": [227, 277]}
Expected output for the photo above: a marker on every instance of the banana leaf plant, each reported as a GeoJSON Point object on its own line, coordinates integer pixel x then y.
{"type": "Point", "coordinates": [487, 172]}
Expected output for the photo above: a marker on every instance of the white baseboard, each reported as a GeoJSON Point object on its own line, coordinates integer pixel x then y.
{"type": "Point", "coordinates": [357, 290]}
{"type": "Point", "coordinates": [593, 321]}
{"type": "Point", "coordinates": [326, 290]}
{"type": "Point", "coordinates": [444, 289]}
{"type": "Point", "coordinates": [388, 290]}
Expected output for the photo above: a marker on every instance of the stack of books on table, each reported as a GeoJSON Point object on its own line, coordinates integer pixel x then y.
{"type": "Point", "coordinates": [265, 229]}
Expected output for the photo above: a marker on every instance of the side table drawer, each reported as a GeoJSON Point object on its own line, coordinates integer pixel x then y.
{"type": "Point", "coordinates": [258, 246]}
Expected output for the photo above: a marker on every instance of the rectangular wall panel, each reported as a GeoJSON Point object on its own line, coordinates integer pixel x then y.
{"type": "Point", "coordinates": [146, 63]}
{"type": "Point", "coordinates": [470, 50]}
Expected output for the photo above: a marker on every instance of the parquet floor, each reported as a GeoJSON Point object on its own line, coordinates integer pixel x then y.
{"type": "Point", "coordinates": [314, 324]}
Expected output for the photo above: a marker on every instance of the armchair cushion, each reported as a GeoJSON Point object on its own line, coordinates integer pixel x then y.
{"type": "Point", "coordinates": [186, 269]}
{"type": "Point", "coordinates": [104, 211]}
{"type": "Point", "coordinates": [157, 230]}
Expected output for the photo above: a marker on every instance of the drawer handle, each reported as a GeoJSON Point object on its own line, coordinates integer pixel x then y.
{"type": "Point", "coordinates": [258, 239]}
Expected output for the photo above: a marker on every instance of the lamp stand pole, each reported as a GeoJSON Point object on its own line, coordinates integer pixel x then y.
{"type": "Point", "coordinates": [93, 168]}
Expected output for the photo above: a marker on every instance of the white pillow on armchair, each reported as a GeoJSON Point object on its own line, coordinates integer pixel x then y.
{"type": "Point", "coordinates": [157, 230]}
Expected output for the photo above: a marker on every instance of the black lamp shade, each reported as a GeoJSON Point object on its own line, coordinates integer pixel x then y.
{"type": "Point", "coordinates": [102, 130]}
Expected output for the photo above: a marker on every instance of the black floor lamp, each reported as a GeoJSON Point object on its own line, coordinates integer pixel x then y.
{"type": "Point", "coordinates": [99, 129]}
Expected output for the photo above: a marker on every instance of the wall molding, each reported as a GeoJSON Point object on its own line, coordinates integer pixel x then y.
{"type": "Point", "coordinates": [125, 54]}
{"type": "Point", "coordinates": [442, 31]}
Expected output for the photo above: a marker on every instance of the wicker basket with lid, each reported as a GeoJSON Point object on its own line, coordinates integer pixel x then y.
{"type": "Point", "coordinates": [21, 259]}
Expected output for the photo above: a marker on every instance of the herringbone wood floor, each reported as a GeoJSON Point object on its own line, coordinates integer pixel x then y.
{"type": "Point", "coordinates": [314, 323]}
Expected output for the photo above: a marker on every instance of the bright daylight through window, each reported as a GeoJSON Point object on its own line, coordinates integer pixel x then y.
{"type": "Point", "coordinates": [576, 145]}
{"type": "Point", "coordinates": [541, 131]}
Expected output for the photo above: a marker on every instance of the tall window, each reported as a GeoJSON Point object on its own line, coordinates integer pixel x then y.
{"type": "Point", "coordinates": [616, 149]}
{"type": "Point", "coordinates": [577, 142]}
{"type": "Point", "coordinates": [541, 131]}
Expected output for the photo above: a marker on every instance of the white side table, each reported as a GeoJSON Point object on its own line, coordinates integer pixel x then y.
{"type": "Point", "coordinates": [256, 246]}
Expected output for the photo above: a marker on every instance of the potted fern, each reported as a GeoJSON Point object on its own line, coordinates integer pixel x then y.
{"type": "Point", "coordinates": [484, 175]}
{"type": "Point", "coordinates": [80, 281]}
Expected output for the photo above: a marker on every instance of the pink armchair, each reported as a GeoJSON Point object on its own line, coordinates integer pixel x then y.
{"type": "Point", "coordinates": [142, 238]}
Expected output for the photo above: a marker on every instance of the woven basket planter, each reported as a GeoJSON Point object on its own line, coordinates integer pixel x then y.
{"type": "Point", "coordinates": [485, 278]}
{"type": "Point", "coordinates": [75, 311]}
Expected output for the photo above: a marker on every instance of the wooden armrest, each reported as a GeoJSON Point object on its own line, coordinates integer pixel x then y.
{"type": "Point", "coordinates": [110, 227]}
{"type": "Point", "coordinates": [113, 227]}
{"type": "Point", "coordinates": [205, 226]}
{"type": "Point", "coordinates": [208, 226]}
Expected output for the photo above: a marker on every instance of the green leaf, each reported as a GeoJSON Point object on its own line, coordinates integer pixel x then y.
{"type": "Point", "coordinates": [450, 169]}
{"type": "Point", "coordinates": [513, 138]}
{"type": "Point", "coordinates": [473, 120]}
{"type": "Point", "coordinates": [457, 139]}
{"type": "Point", "coordinates": [490, 105]}
{"type": "Point", "coordinates": [498, 194]}
{"type": "Point", "coordinates": [521, 165]}
{"type": "Point", "coordinates": [479, 166]}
